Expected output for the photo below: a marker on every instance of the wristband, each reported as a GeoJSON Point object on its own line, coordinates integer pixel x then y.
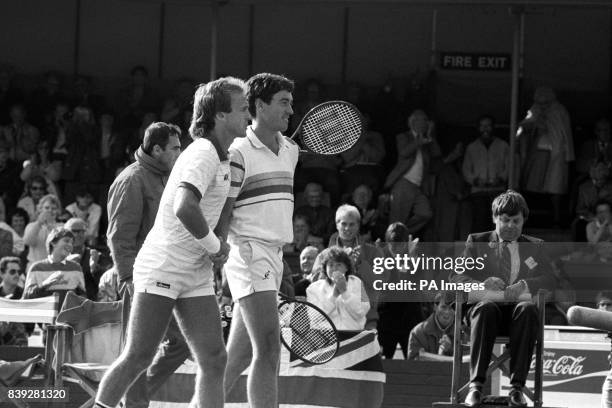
{"type": "Point", "coordinates": [210, 242]}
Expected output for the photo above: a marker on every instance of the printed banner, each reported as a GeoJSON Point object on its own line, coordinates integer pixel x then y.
{"type": "Point", "coordinates": [353, 379]}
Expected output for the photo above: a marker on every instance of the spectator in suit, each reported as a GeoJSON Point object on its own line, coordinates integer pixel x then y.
{"type": "Point", "coordinates": [516, 264]}
{"type": "Point", "coordinates": [409, 178]}
{"type": "Point", "coordinates": [302, 280]}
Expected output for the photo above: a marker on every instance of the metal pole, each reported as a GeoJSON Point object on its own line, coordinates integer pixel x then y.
{"type": "Point", "coordinates": [345, 39]}
{"type": "Point", "coordinates": [77, 37]}
{"type": "Point", "coordinates": [512, 182]}
{"type": "Point", "coordinates": [213, 40]}
{"type": "Point", "coordinates": [251, 37]}
{"type": "Point", "coordinates": [160, 46]}
{"type": "Point", "coordinates": [434, 39]}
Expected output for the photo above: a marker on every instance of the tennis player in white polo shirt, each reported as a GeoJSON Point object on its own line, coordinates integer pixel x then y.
{"type": "Point", "coordinates": [258, 215]}
{"type": "Point", "coordinates": [174, 268]}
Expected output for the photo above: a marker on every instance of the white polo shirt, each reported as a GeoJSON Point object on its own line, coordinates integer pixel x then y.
{"type": "Point", "coordinates": [204, 169]}
{"type": "Point", "coordinates": [262, 183]}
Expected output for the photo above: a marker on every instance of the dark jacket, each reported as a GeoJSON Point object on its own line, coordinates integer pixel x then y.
{"type": "Point", "coordinates": [133, 200]}
{"type": "Point", "coordinates": [407, 147]}
{"type": "Point", "coordinates": [426, 336]}
{"type": "Point", "coordinates": [535, 266]}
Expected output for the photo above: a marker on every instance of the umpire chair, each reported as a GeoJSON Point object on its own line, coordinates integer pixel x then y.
{"type": "Point", "coordinates": [497, 361]}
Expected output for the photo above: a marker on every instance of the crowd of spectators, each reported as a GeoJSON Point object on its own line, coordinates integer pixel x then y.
{"type": "Point", "coordinates": [63, 144]}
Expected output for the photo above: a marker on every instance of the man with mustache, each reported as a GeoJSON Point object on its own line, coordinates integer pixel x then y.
{"type": "Point", "coordinates": [516, 264]}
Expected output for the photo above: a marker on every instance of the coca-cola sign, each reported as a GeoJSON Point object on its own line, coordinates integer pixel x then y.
{"type": "Point", "coordinates": [570, 370]}
{"type": "Point", "coordinates": [561, 364]}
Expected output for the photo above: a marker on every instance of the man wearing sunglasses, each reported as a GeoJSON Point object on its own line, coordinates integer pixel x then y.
{"type": "Point", "coordinates": [11, 333]}
{"type": "Point", "coordinates": [10, 268]}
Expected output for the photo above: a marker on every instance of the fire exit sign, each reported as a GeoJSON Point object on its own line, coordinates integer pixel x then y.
{"type": "Point", "coordinates": [475, 62]}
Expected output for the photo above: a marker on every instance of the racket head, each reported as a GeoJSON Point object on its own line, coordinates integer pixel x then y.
{"type": "Point", "coordinates": [307, 331]}
{"type": "Point", "coordinates": [330, 128]}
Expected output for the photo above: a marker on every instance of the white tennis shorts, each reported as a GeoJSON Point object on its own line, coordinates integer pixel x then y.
{"type": "Point", "coordinates": [253, 267]}
{"type": "Point", "coordinates": [172, 278]}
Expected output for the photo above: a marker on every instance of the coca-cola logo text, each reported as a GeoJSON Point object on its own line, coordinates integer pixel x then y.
{"type": "Point", "coordinates": [562, 365]}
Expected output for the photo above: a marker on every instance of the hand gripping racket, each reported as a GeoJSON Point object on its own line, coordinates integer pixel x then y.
{"type": "Point", "coordinates": [330, 128]}
{"type": "Point", "coordinates": [307, 331]}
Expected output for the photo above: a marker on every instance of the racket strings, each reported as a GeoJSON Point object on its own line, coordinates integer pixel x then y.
{"type": "Point", "coordinates": [332, 129]}
{"type": "Point", "coordinates": [307, 332]}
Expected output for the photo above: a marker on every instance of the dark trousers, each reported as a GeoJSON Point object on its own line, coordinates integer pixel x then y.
{"type": "Point", "coordinates": [389, 340]}
{"type": "Point", "coordinates": [170, 355]}
{"type": "Point", "coordinates": [409, 205]}
{"type": "Point", "coordinates": [519, 321]}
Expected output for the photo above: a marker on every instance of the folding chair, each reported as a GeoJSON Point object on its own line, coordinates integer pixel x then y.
{"type": "Point", "coordinates": [42, 310]}
{"type": "Point", "coordinates": [92, 341]}
{"type": "Point", "coordinates": [497, 362]}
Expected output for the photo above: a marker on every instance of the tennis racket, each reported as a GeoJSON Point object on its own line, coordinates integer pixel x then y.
{"type": "Point", "coordinates": [330, 128]}
{"type": "Point", "coordinates": [307, 331]}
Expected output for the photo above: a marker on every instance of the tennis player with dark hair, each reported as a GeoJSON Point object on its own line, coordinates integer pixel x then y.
{"type": "Point", "coordinates": [516, 264]}
{"type": "Point", "coordinates": [258, 217]}
{"type": "Point", "coordinates": [174, 268]}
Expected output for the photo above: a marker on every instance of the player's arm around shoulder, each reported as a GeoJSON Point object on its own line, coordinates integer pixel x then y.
{"type": "Point", "coordinates": [237, 170]}
{"type": "Point", "coordinates": [222, 229]}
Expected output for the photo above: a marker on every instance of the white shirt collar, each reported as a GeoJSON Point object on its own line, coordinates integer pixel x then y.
{"type": "Point", "coordinates": [258, 144]}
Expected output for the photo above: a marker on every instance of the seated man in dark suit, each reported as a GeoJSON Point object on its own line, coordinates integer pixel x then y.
{"type": "Point", "coordinates": [516, 264]}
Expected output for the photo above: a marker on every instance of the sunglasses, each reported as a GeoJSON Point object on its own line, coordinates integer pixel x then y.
{"type": "Point", "coordinates": [604, 304]}
{"type": "Point", "coordinates": [37, 188]}
{"type": "Point", "coordinates": [12, 271]}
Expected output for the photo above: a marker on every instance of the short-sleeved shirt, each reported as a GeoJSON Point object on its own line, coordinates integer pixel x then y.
{"type": "Point", "coordinates": [262, 183]}
{"type": "Point", "coordinates": [203, 169]}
